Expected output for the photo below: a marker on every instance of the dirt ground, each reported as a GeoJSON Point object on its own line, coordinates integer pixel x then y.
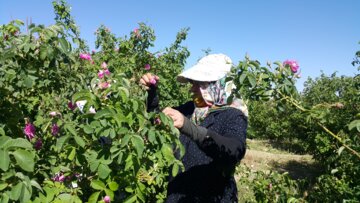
{"type": "Point", "coordinates": [260, 155]}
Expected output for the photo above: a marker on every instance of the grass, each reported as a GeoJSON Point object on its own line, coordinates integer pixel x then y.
{"type": "Point", "coordinates": [265, 156]}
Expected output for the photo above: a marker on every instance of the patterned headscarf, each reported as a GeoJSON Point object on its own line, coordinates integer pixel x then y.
{"type": "Point", "coordinates": [216, 94]}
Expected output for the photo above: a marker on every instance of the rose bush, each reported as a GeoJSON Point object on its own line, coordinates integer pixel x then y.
{"type": "Point", "coordinates": [74, 125]}
{"type": "Point", "coordinates": [328, 115]}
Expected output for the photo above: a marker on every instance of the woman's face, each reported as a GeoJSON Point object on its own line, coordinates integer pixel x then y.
{"type": "Point", "coordinates": [196, 93]}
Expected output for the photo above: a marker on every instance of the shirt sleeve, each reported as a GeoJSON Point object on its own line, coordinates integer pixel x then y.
{"type": "Point", "coordinates": [152, 100]}
{"type": "Point", "coordinates": [227, 146]}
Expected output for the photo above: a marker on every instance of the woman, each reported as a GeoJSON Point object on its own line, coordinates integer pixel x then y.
{"type": "Point", "coordinates": [213, 133]}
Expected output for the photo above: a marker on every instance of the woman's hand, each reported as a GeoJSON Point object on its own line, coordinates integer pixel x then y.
{"type": "Point", "coordinates": [176, 116]}
{"type": "Point", "coordinates": [148, 79]}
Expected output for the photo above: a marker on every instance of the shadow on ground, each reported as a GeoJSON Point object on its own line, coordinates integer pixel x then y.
{"type": "Point", "coordinates": [293, 146]}
{"type": "Point", "coordinates": [298, 169]}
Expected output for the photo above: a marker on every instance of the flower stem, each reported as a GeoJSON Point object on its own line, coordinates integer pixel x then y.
{"type": "Point", "coordinates": [291, 100]}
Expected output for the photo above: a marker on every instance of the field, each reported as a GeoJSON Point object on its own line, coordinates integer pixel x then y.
{"type": "Point", "coordinates": [265, 156]}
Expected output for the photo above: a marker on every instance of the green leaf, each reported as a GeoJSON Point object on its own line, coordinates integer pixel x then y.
{"type": "Point", "coordinates": [128, 162]}
{"type": "Point", "coordinates": [43, 52]}
{"type": "Point", "coordinates": [3, 140]}
{"type": "Point", "coordinates": [87, 129]}
{"type": "Point", "coordinates": [4, 198]}
{"type": "Point", "coordinates": [175, 169]}
{"type": "Point", "coordinates": [3, 186]}
{"type": "Point", "coordinates": [65, 198]}
{"type": "Point", "coordinates": [151, 136]}
{"type": "Point", "coordinates": [167, 152]}
{"type": "Point", "coordinates": [333, 171]}
{"type": "Point", "coordinates": [71, 129]}
{"type": "Point", "coordinates": [60, 142]}
{"type": "Point", "coordinates": [94, 197]}
{"type": "Point", "coordinates": [125, 140]}
{"type": "Point", "coordinates": [163, 118]}
{"type": "Point", "coordinates": [21, 192]}
{"type": "Point", "coordinates": [97, 185]}
{"type": "Point", "coordinates": [36, 184]}
{"type": "Point", "coordinates": [79, 141]}
{"type": "Point", "coordinates": [119, 160]}
{"type": "Point", "coordinates": [28, 82]}
{"type": "Point", "coordinates": [138, 143]}
{"type": "Point", "coordinates": [26, 48]}
{"type": "Point", "coordinates": [16, 191]}
{"type": "Point", "coordinates": [4, 160]}
{"type": "Point", "coordinates": [353, 124]}
{"type": "Point", "coordinates": [2, 132]}
{"type": "Point", "coordinates": [50, 193]}
{"type": "Point", "coordinates": [124, 93]}
{"type": "Point", "coordinates": [16, 143]}
{"type": "Point", "coordinates": [103, 171]}
{"type": "Point", "coordinates": [112, 133]}
{"type": "Point", "coordinates": [131, 199]}
{"type": "Point", "coordinates": [82, 95]}
{"type": "Point", "coordinates": [24, 159]}
{"type": "Point", "coordinates": [104, 113]}
{"type": "Point", "coordinates": [72, 154]}
{"type": "Point", "coordinates": [242, 77]}
{"type": "Point", "coordinates": [278, 63]}
{"type": "Point", "coordinates": [135, 105]}
{"type": "Point", "coordinates": [252, 80]}
{"type": "Point", "coordinates": [113, 186]}
{"type": "Point", "coordinates": [94, 165]}
{"type": "Point", "coordinates": [64, 44]}
{"type": "Point", "coordinates": [340, 150]}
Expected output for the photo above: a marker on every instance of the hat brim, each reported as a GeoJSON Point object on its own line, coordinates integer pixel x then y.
{"type": "Point", "coordinates": [198, 73]}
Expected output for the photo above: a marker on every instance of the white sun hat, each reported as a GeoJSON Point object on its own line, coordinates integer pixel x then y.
{"type": "Point", "coordinates": [212, 67]}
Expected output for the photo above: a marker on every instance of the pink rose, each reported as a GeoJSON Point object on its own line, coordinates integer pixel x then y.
{"type": "Point", "coordinates": [53, 113]}
{"type": "Point", "coordinates": [104, 65]}
{"type": "Point", "coordinates": [104, 85]}
{"type": "Point", "coordinates": [54, 129]}
{"type": "Point", "coordinates": [29, 131]}
{"type": "Point", "coordinates": [71, 105]}
{"type": "Point", "coordinates": [61, 178]}
{"type": "Point", "coordinates": [136, 32]}
{"type": "Point", "coordinates": [294, 66]}
{"type": "Point", "coordinates": [38, 144]}
{"type": "Point", "coordinates": [107, 72]}
{"type": "Point", "coordinates": [153, 81]}
{"type": "Point", "coordinates": [101, 74]}
{"type": "Point", "coordinates": [85, 56]}
{"type": "Point", "coordinates": [157, 121]}
{"type": "Point", "coordinates": [147, 67]}
{"type": "Point", "coordinates": [107, 199]}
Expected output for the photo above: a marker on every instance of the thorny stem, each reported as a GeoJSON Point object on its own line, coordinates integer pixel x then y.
{"type": "Point", "coordinates": [291, 100]}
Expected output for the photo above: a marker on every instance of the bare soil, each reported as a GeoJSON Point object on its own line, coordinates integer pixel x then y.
{"type": "Point", "coordinates": [261, 155]}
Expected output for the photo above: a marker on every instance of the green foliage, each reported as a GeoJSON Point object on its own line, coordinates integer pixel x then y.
{"type": "Point", "coordinates": [270, 186]}
{"type": "Point", "coordinates": [326, 119]}
{"type": "Point", "coordinates": [93, 136]}
{"type": "Point", "coordinates": [268, 121]}
{"type": "Point", "coordinates": [334, 101]}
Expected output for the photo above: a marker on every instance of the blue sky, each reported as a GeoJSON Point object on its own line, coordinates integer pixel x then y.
{"type": "Point", "coordinates": [322, 35]}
